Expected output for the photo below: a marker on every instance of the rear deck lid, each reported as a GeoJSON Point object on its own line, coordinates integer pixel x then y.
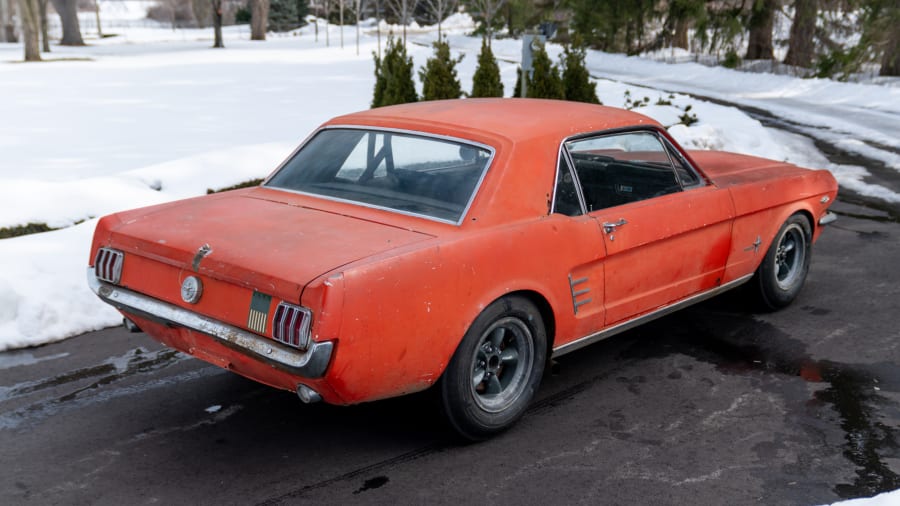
{"type": "Point", "coordinates": [273, 246]}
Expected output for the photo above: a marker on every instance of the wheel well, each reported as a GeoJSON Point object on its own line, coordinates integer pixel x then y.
{"type": "Point", "coordinates": [809, 218]}
{"type": "Point", "coordinates": [546, 315]}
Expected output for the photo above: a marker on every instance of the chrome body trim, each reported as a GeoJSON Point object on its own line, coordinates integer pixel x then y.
{"type": "Point", "coordinates": [309, 364]}
{"type": "Point", "coordinates": [640, 320]}
{"type": "Point", "coordinates": [829, 217]}
{"type": "Point", "coordinates": [611, 227]}
{"type": "Point", "coordinates": [577, 293]}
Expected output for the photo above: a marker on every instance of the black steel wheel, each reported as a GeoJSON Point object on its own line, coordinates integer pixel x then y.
{"type": "Point", "coordinates": [495, 370]}
{"type": "Point", "coordinates": [783, 271]}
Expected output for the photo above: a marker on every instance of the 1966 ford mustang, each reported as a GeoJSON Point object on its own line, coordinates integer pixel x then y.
{"type": "Point", "coordinates": [456, 244]}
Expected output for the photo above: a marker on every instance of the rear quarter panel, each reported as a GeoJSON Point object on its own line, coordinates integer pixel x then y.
{"type": "Point", "coordinates": [404, 315]}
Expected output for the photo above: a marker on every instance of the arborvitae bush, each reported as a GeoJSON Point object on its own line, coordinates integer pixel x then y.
{"type": "Point", "coordinates": [545, 81]}
{"type": "Point", "coordinates": [486, 81]}
{"type": "Point", "coordinates": [393, 76]}
{"type": "Point", "coordinates": [517, 92]}
{"type": "Point", "coordinates": [286, 15]}
{"type": "Point", "coordinates": [438, 76]}
{"type": "Point", "coordinates": [576, 79]}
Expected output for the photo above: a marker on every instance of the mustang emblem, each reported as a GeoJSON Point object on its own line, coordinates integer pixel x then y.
{"type": "Point", "coordinates": [755, 245]}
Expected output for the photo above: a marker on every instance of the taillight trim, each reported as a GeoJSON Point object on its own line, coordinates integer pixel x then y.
{"type": "Point", "coordinates": [285, 328]}
{"type": "Point", "coordinates": [108, 265]}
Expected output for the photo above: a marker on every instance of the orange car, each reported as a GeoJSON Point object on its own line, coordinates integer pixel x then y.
{"type": "Point", "coordinates": [460, 243]}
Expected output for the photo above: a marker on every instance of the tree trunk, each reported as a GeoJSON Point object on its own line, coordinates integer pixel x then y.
{"type": "Point", "coordinates": [45, 39]}
{"type": "Point", "coordinates": [7, 27]}
{"type": "Point", "coordinates": [29, 13]}
{"type": "Point", "coordinates": [680, 37]}
{"type": "Point", "coordinates": [762, 20]}
{"type": "Point", "coordinates": [68, 14]}
{"type": "Point", "coordinates": [259, 21]}
{"type": "Point", "coordinates": [217, 23]}
{"type": "Point", "coordinates": [97, 16]}
{"type": "Point", "coordinates": [801, 48]}
{"type": "Point", "coordinates": [890, 61]}
{"type": "Point", "coordinates": [3, 20]}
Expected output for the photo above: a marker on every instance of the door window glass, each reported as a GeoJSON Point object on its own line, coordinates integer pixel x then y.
{"type": "Point", "coordinates": [566, 200]}
{"type": "Point", "coordinates": [622, 168]}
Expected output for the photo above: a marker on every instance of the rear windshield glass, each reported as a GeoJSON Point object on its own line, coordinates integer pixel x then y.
{"type": "Point", "coordinates": [413, 174]}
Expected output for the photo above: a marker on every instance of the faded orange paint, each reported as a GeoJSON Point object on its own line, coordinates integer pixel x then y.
{"type": "Point", "coordinates": [396, 293]}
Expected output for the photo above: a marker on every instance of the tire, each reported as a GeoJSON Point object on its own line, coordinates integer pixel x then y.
{"type": "Point", "coordinates": [783, 271]}
{"type": "Point", "coordinates": [496, 369]}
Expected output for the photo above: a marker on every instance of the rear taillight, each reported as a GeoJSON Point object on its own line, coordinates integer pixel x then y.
{"type": "Point", "coordinates": [108, 265]}
{"type": "Point", "coordinates": [291, 325]}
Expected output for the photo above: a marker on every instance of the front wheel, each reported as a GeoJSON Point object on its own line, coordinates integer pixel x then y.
{"type": "Point", "coordinates": [783, 271]}
{"type": "Point", "coordinates": [495, 370]}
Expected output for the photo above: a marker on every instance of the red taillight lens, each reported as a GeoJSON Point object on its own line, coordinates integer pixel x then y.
{"type": "Point", "coordinates": [291, 325]}
{"type": "Point", "coordinates": [108, 265]}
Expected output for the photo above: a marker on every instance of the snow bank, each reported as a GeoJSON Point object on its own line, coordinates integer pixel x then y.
{"type": "Point", "coordinates": [43, 293]}
{"type": "Point", "coordinates": [885, 499]}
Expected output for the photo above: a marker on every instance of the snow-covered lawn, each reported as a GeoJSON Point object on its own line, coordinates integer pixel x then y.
{"type": "Point", "coordinates": [154, 114]}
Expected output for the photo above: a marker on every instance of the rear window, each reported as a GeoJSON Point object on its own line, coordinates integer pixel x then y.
{"type": "Point", "coordinates": [413, 174]}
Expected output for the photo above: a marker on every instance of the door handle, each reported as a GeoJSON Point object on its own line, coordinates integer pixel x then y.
{"type": "Point", "coordinates": [611, 227]}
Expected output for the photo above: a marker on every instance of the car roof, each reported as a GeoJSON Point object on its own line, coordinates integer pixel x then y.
{"type": "Point", "coordinates": [483, 119]}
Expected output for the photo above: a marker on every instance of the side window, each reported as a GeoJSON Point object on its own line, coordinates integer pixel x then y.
{"type": "Point", "coordinates": [685, 174]}
{"type": "Point", "coordinates": [566, 199]}
{"type": "Point", "coordinates": [622, 168]}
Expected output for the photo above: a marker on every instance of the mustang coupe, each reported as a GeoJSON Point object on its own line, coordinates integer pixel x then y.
{"type": "Point", "coordinates": [457, 245]}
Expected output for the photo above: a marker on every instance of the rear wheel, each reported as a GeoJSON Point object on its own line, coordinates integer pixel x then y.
{"type": "Point", "coordinates": [495, 370]}
{"type": "Point", "coordinates": [783, 271]}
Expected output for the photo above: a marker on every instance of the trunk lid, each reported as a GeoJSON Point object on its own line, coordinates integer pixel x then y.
{"type": "Point", "coordinates": [275, 246]}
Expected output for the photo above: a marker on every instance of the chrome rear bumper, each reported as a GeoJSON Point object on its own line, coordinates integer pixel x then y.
{"type": "Point", "coordinates": [311, 363]}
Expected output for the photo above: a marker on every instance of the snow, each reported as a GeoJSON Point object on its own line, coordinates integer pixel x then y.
{"type": "Point", "coordinates": [885, 499]}
{"type": "Point", "coordinates": [153, 114]}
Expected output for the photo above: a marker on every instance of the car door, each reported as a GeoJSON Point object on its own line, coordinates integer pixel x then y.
{"type": "Point", "coordinates": [666, 231]}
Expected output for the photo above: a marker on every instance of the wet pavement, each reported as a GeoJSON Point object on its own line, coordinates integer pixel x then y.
{"type": "Point", "coordinates": [712, 405]}
{"type": "Point", "coordinates": [715, 404]}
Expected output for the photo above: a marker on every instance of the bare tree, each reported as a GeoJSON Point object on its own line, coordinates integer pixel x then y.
{"type": "Point", "coordinates": [403, 9]}
{"type": "Point", "coordinates": [358, 15]}
{"type": "Point", "coordinates": [30, 16]}
{"type": "Point", "coordinates": [7, 28]}
{"type": "Point", "coordinates": [217, 23]}
{"type": "Point", "coordinates": [45, 38]}
{"type": "Point", "coordinates": [326, 6]}
{"type": "Point", "coordinates": [203, 12]}
{"type": "Point", "coordinates": [378, 25]}
{"type": "Point", "coordinates": [259, 21]}
{"type": "Point", "coordinates": [97, 16]}
{"type": "Point", "coordinates": [341, 18]}
{"type": "Point", "coordinates": [488, 9]}
{"type": "Point", "coordinates": [440, 9]}
{"type": "Point", "coordinates": [68, 14]}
